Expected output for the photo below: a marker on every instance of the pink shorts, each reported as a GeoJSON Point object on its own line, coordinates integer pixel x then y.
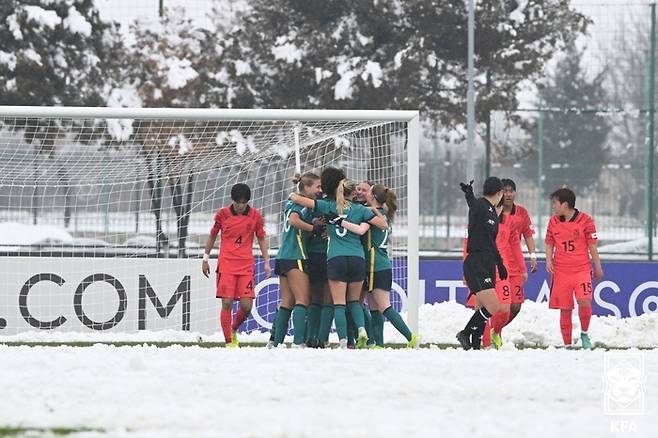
{"type": "Point", "coordinates": [518, 293]}
{"type": "Point", "coordinates": [235, 286]}
{"type": "Point", "coordinates": [503, 291]}
{"type": "Point", "coordinates": [567, 284]}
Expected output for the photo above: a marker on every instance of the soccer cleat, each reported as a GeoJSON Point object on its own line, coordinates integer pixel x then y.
{"type": "Point", "coordinates": [342, 344]}
{"type": "Point", "coordinates": [362, 340]}
{"type": "Point", "coordinates": [234, 340]}
{"type": "Point", "coordinates": [464, 339]}
{"type": "Point", "coordinates": [569, 347]}
{"type": "Point", "coordinates": [496, 340]}
{"type": "Point", "coordinates": [313, 343]}
{"type": "Point", "coordinates": [298, 346]}
{"type": "Point", "coordinates": [587, 343]}
{"type": "Point", "coordinates": [270, 345]}
{"type": "Point", "coordinates": [414, 341]}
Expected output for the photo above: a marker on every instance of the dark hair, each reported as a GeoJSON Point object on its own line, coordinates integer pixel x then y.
{"type": "Point", "coordinates": [565, 195]}
{"type": "Point", "coordinates": [492, 185]}
{"type": "Point", "coordinates": [240, 192]}
{"type": "Point", "coordinates": [305, 180]}
{"type": "Point", "coordinates": [508, 183]}
{"type": "Point", "coordinates": [386, 196]}
{"type": "Point", "coordinates": [330, 178]}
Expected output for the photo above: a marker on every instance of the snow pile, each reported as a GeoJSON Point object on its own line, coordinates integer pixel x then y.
{"type": "Point", "coordinates": [12, 233]}
{"type": "Point", "coordinates": [536, 325]}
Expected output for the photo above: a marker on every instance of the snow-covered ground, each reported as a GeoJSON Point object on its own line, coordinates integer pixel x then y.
{"type": "Point", "coordinates": [254, 392]}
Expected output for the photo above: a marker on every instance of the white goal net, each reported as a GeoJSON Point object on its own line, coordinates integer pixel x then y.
{"type": "Point", "coordinates": [104, 211]}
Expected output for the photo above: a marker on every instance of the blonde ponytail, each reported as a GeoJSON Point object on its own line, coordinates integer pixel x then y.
{"type": "Point", "coordinates": [344, 190]}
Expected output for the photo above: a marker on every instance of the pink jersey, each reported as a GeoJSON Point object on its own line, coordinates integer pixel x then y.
{"type": "Point", "coordinates": [571, 240]}
{"type": "Point", "coordinates": [520, 225]}
{"type": "Point", "coordinates": [237, 239]}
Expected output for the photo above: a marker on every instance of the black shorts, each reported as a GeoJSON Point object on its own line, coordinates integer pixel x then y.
{"type": "Point", "coordinates": [380, 280]}
{"type": "Point", "coordinates": [282, 266]}
{"type": "Point", "coordinates": [317, 267]}
{"type": "Point", "coordinates": [480, 271]}
{"type": "Point", "coordinates": [349, 269]}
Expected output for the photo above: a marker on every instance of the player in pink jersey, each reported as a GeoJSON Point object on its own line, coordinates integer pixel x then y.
{"type": "Point", "coordinates": [520, 224]}
{"type": "Point", "coordinates": [570, 242]}
{"type": "Point", "coordinates": [238, 223]}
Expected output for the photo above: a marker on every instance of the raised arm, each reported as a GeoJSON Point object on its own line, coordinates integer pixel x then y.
{"type": "Point", "coordinates": [468, 193]}
{"type": "Point", "coordinates": [302, 200]}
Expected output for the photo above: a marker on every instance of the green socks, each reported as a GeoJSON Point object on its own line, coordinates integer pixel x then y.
{"type": "Point", "coordinates": [392, 315]}
{"type": "Point", "coordinates": [313, 321]}
{"type": "Point", "coordinates": [326, 318]}
{"type": "Point", "coordinates": [299, 323]}
{"type": "Point", "coordinates": [377, 327]}
{"type": "Point", "coordinates": [281, 324]}
{"type": "Point", "coordinates": [341, 321]}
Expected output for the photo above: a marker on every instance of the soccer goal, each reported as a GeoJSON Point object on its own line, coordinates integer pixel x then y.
{"type": "Point", "coordinates": [104, 211]}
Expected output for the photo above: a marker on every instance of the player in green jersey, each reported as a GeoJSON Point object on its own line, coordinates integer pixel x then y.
{"type": "Point", "coordinates": [379, 269]}
{"type": "Point", "coordinates": [291, 262]}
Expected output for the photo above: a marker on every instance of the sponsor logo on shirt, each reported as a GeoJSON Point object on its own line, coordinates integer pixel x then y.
{"type": "Point", "coordinates": [491, 222]}
{"type": "Point", "coordinates": [487, 280]}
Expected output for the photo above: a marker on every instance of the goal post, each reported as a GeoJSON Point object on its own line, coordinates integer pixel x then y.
{"type": "Point", "coordinates": [104, 211]}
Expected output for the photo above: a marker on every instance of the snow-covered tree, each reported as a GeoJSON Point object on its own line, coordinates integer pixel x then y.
{"type": "Point", "coordinates": [55, 53]}
{"type": "Point", "coordinates": [396, 54]}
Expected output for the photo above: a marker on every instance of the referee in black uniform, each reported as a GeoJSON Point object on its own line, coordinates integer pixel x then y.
{"type": "Point", "coordinates": [482, 258]}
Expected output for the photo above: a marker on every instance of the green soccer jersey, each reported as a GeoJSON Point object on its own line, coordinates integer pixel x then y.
{"type": "Point", "coordinates": [375, 242]}
{"type": "Point", "coordinates": [316, 244]}
{"type": "Point", "coordinates": [342, 242]}
{"type": "Point", "coordinates": [293, 240]}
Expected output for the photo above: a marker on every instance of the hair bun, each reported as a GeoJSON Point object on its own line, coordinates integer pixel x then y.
{"type": "Point", "coordinates": [297, 178]}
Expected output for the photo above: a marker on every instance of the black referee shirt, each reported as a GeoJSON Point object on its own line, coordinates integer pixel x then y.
{"type": "Point", "coordinates": [482, 226]}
